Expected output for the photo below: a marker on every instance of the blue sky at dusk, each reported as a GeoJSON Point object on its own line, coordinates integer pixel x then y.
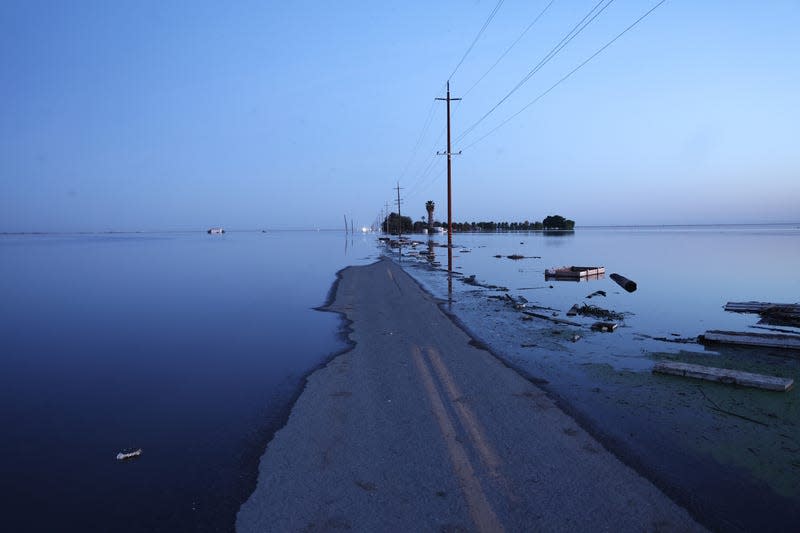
{"type": "Point", "coordinates": [183, 115]}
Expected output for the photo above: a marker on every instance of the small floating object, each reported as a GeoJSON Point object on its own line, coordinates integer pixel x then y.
{"type": "Point", "coordinates": [605, 326]}
{"type": "Point", "coordinates": [573, 310]}
{"type": "Point", "coordinates": [216, 231]}
{"type": "Point", "coordinates": [624, 282]}
{"type": "Point", "coordinates": [124, 456]}
{"type": "Point", "coordinates": [723, 375]}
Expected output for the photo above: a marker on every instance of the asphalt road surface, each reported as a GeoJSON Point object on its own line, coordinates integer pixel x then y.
{"type": "Point", "coordinates": [415, 429]}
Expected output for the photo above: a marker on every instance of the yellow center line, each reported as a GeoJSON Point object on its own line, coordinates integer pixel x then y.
{"type": "Point", "coordinates": [480, 510]}
{"type": "Point", "coordinates": [469, 421]}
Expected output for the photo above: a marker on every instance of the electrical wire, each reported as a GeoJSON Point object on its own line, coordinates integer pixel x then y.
{"type": "Point", "coordinates": [568, 75]}
{"type": "Point", "coordinates": [574, 32]}
{"type": "Point", "coordinates": [475, 40]}
{"type": "Point", "coordinates": [517, 40]}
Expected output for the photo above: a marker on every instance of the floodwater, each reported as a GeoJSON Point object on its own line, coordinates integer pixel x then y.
{"type": "Point", "coordinates": [731, 455]}
{"type": "Point", "coordinates": [189, 346]}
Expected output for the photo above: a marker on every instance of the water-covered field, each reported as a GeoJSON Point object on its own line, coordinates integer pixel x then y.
{"type": "Point", "coordinates": [731, 454]}
{"type": "Point", "coordinates": [189, 346]}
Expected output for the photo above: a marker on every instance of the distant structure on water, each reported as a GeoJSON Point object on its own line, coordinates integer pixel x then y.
{"type": "Point", "coordinates": [216, 231]}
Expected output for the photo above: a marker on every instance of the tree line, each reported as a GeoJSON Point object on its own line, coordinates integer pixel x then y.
{"type": "Point", "coordinates": [392, 223]}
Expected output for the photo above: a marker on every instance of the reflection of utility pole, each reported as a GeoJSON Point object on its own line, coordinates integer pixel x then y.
{"type": "Point", "coordinates": [399, 218]}
{"type": "Point", "coordinates": [449, 188]}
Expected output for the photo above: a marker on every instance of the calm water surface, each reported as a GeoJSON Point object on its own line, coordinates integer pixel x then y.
{"type": "Point", "coordinates": [189, 346]}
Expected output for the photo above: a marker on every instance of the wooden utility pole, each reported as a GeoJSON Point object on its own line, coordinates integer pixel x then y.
{"type": "Point", "coordinates": [449, 183]}
{"type": "Point", "coordinates": [399, 218]}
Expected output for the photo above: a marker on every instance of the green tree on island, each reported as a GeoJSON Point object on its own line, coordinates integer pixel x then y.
{"type": "Point", "coordinates": [429, 207]}
{"type": "Point", "coordinates": [558, 222]}
{"type": "Point", "coordinates": [392, 224]}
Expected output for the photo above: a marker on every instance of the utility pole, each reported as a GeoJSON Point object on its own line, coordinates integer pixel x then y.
{"type": "Point", "coordinates": [399, 218]}
{"type": "Point", "coordinates": [449, 183]}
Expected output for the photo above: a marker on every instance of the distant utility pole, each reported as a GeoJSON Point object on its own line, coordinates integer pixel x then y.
{"type": "Point", "coordinates": [386, 217]}
{"type": "Point", "coordinates": [399, 218]}
{"type": "Point", "coordinates": [449, 182]}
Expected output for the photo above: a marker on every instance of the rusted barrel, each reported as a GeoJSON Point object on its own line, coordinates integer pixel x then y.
{"type": "Point", "coordinates": [624, 282]}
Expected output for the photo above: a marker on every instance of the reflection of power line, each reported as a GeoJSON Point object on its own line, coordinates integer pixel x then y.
{"type": "Point", "coordinates": [570, 73]}
{"type": "Point", "coordinates": [574, 32]}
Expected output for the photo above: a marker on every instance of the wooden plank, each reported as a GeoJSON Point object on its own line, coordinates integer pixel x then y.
{"type": "Point", "coordinates": [724, 375]}
{"type": "Point", "coordinates": [553, 319]}
{"type": "Point", "coordinates": [767, 340]}
{"type": "Point", "coordinates": [758, 307]}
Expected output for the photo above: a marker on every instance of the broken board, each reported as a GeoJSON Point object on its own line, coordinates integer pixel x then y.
{"type": "Point", "coordinates": [765, 340]}
{"type": "Point", "coordinates": [758, 307]}
{"type": "Point", "coordinates": [724, 375]}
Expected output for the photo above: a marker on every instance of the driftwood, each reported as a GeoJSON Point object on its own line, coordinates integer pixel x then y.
{"type": "Point", "coordinates": [724, 375]}
{"type": "Point", "coordinates": [552, 319]}
{"type": "Point", "coordinates": [124, 456]}
{"type": "Point", "coordinates": [624, 282]}
{"type": "Point", "coordinates": [771, 313]}
{"type": "Point", "coordinates": [765, 340]}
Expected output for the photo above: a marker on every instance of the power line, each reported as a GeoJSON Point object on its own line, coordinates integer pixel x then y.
{"type": "Point", "coordinates": [518, 39]}
{"type": "Point", "coordinates": [475, 40]}
{"type": "Point", "coordinates": [568, 75]}
{"type": "Point", "coordinates": [425, 126]}
{"type": "Point", "coordinates": [574, 32]}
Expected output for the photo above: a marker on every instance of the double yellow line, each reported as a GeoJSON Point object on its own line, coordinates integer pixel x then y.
{"type": "Point", "coordinates": [481, 512]}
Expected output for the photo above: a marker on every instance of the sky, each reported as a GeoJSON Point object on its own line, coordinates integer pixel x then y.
{"type": "Point", "coordinates": [170, 115]}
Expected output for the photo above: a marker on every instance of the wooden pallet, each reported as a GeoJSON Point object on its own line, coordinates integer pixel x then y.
{"type": "Point", "coordinates": [575, 273]}
{"type": "Point", "coordinates": [724, 375]}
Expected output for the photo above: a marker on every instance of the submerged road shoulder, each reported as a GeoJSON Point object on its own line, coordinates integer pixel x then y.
{"type": "Point", "coordinates": [416, 429]}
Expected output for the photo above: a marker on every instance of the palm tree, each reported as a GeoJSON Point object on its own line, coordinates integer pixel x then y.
{"type": "Point", "coordinates": [429, 207]}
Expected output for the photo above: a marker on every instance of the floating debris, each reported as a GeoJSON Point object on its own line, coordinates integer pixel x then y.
{"type": "Point", "coordinates": [771, 313]}
{"type": "Point", "coordinates": [624, 282]}
{"type": "Point", "coordinates": [597, 293]}
{"type": "Point", "coordinates": [575, 273]}
{"type": "Point", "coordinates": [765, 340]}
{"type": "Point", "coordinates": [724, 375]}
{"type": "Point", "coordinates": [573, 310]}
{"type": "Point", "coordinates": [557, 320]}
{"type": "Point", "coordinates": [606, 327]}
{"type": "Point", "coordinates": [124, 456]}
{"type": "Point", "coordinates": [598, 312]}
